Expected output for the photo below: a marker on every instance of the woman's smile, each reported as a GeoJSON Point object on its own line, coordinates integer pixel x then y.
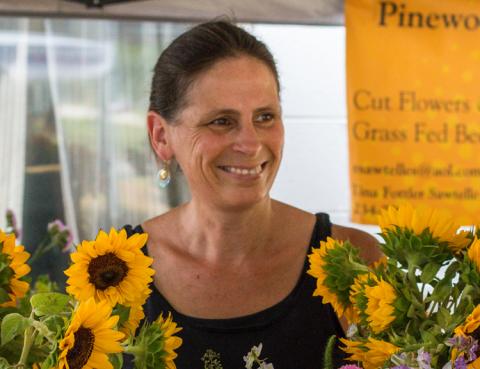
{"type": "Point", "coordinates": [244, 170]}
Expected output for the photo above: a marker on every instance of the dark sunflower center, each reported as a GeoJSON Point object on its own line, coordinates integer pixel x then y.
{"type": "Point", "coordinates": [107, 270]}
{"type": "Point", "coordinates": [81, 351]}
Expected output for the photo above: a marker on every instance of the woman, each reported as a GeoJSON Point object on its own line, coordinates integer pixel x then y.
{"type": "Point", "coordinates": [231, 263]}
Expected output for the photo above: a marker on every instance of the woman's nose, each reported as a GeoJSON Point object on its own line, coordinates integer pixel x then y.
{"type": "Point", "coordinates": [247, 140]}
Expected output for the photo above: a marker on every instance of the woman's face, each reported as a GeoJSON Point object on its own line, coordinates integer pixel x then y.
{"type": "Point", "coordinates": [228, 139]}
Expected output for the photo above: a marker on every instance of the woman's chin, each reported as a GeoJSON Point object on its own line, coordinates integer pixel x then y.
{"type": "Point", "coordinates": [241, 200]}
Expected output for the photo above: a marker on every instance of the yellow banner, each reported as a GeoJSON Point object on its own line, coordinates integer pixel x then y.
{"type": "Point", "coordinates": [413, 90]}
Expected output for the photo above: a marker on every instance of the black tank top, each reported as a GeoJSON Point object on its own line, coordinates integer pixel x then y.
{"type": "Point", "coordinates": [293, 332]}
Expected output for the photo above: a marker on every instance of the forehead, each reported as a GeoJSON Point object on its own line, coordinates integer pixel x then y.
{"type": "Point", "coordinates": [235, 82]}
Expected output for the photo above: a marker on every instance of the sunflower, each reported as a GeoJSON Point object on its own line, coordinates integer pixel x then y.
{"type": "Point", "coordinates": [372, 353]}
{"type": "Point", "coordinates": [380, 309]}
{"type": "Point", "coordinates": [336, 265]}
{"type": "Point", "coordinates": [90, 337]}
{"type": "Point", "coordinates": [111, 268]}
{"type": "Point", "coordinates": [440, 225]}
{"type": "Point", "coordinates": [13, 258]}
{"type": "Point", "coordinates": [156, 343]}
{"type": "Point", "coordinates": [169, 328]}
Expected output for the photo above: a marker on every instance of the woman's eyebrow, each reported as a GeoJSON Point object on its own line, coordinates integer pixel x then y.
{"type": "Point", "coordinates": [236, 113]}
{"type": "Point", "coordinates": [225, 111]}
{"type": "Point", "coordinates": [264, 108]}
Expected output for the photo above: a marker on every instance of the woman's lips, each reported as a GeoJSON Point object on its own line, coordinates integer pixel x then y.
{"type": "Point", "coordinates": [244, 170]}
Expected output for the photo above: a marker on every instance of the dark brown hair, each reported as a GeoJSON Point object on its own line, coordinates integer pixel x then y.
{"type": "Point", "coordinates": [194, 52]}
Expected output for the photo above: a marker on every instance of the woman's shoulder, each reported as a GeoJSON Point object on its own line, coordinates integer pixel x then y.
{"type": "Point", "coordinates": [161, 225]}
{"type": "Point", "coordinates": [289, 212]}
{"type": "Point", "coordinates": [289, 218]}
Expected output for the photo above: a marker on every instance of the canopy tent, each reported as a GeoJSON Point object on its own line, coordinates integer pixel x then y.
{"type": "Point", "coordinates": [327, 12]}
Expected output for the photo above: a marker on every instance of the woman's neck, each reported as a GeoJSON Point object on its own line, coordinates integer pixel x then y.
{"type": "Point", "coordinates": [219, 236]}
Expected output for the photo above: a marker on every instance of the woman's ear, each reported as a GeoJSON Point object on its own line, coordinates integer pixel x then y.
{"type": "Point", "coordinates": [157, 131]}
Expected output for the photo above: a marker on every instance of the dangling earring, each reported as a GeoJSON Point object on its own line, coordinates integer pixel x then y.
{"type": "Point", "coordinates": [163, 176]}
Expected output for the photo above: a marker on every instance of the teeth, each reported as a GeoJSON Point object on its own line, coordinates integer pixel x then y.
{"type": "Point", "coordinates": [244, 171]}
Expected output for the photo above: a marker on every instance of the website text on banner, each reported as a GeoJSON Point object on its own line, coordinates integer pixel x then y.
{"type": "Point", "coordinates": [413, 76]}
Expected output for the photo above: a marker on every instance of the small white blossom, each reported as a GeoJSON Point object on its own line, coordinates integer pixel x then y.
{"type": "Point", "coordinates": [249, 360]}
{"type": "Point", "coordinates": [352, 330]}
{"type": "Point", "coordinates": [253, 357]}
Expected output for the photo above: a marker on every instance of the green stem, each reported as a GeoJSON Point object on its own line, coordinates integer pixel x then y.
{"type": "Point", "coordinates": [39, 251]}
{"type": "Point", "coordinates": [357, 266]}
{"type": "Point", "coordinates": [28, 338]}
{"type": "Point", "coordinates": [138, 351]}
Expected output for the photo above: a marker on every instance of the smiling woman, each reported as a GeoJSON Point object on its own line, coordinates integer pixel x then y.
{"type": "Point", "coordinates": [231, 263]}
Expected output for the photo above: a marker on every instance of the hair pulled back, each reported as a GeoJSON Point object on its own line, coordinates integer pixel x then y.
{"type": "Point", "coordinates": [194, 52]}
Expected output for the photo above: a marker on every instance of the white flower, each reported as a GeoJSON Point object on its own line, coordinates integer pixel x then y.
{"type": "Point", "coordinates": [253, 356]}
{"type": "Point", "coordinates": [249, 360]}
{"type": "Point", "coordinates": [257, 350]}
{"type": "Point", "coordinates": [352, 330]}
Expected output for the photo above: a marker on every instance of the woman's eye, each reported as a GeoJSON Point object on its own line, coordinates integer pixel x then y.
{"type": "Point", "coordinates": [264, 118]}
{"type": "Point", "coordinates": [220, 122]}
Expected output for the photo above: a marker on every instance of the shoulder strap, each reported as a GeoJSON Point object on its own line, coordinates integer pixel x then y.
{"type": "Point", "coordinates": [131, 230]}
{"type": "Point", "coordinates": [322, 229]}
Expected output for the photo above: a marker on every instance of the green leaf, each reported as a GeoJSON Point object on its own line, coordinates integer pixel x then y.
{"type": "Point", "coordinates": [429, 272]}
{"type": "Point", "coordinates": [442, 291]}
{"type": "Point", "coordinates": [411, 313]}
{"type": "Point", "coordinates": [49, 303]}
{"type": "Point", "coordinates": [443, 317]}
{"type": "Point", "coordinates": [12, 325]}
{"type": "Point", "coordinates": [402, 305]}
{"type": "Point", "coordinates": [428, 337]}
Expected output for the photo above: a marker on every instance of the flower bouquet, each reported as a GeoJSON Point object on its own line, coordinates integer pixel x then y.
{"type": "Point", "coordinates": [419, 307]}
{"type": "Point", "coordinates": [96, 321]}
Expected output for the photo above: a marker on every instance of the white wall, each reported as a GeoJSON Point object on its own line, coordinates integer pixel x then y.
{"type": "Point", "coordinates": [314, 172]}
